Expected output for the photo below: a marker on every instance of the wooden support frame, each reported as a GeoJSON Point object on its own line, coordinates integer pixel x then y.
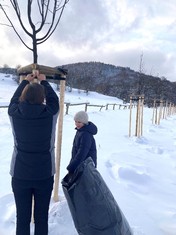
{"type": "Point", "coordinates": [50, 72]}
{"type": "Point", "coordinates": [139, 115]}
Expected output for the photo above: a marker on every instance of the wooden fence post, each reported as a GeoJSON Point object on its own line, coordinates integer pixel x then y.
{"type": "Point", "coordinates": [67, 107]}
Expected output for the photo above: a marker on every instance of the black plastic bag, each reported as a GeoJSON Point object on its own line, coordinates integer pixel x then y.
{"type": "Point", "coordinates": [92, 205]}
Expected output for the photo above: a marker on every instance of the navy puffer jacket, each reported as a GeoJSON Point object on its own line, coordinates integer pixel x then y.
{"type": "Point", "coordinates": [84, 146]}
{"type": "Point", "coordinates": [33, 127]}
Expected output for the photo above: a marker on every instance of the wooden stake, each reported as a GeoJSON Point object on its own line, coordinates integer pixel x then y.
{"type": "Point", "coordinates": [59, 141]}
{"type": "Point", "coordinates": [130, 117]}
{"type": "Point", "coordinates": [160, 111]}
{"type": "Point", "coordinates": [153, 117]}
{"type": "Point", "coordinates": [164, 110]}
{"type": "Point", "coordinates": [156, 115]}
{"type": "Point", "coordinates": [137, 117]}
{"type": "Point", "coordinates": [142, 114]}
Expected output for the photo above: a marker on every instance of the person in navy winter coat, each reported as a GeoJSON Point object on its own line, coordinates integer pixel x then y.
{"type": "Point", "coordinates": [84, 144]}
{"type": "Point", "coordinates": [33, 161]}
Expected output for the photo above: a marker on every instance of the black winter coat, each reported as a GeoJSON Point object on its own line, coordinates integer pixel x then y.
{"type": "Point", "coordinates": [33, 127]}
{"type": "Point", "coordinates": [84, 146]}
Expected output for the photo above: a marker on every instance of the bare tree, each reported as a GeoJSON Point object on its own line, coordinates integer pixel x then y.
{"type": "Point", "coordinates": [48, 14]}
{"type": "Point", "coordinates": [141, 76]}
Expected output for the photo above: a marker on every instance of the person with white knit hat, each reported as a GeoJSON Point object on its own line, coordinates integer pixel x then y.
{"type": "Point", "coordinates": [84, 144]}
{"type": "Point", "coordinates": [82, 117]}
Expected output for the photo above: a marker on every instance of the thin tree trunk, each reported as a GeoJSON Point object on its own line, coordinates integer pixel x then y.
{"type": "Point", "coordinates": [35, 56]}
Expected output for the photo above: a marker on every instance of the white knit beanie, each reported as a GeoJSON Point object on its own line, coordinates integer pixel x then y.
{"type": "Point", "coordinates": [82, 117]}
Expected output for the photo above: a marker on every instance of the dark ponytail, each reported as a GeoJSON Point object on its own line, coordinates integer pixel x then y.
{"type": "Point", "coordinates": [33, 93]}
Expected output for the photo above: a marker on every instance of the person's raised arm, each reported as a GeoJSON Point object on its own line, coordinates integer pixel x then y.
{"type": "Point", "coordinates": [15, 98]}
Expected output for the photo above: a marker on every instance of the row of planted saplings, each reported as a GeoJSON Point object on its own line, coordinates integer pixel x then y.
{"type": "Point", "coordinates": [161, 110]}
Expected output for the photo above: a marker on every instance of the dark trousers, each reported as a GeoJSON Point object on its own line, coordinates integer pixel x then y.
{"type": "Point", "coordinates": [24, 191]}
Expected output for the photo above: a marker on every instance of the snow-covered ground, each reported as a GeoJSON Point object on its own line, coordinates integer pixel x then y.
{"type": "Point", "coordinates": [140, 172]}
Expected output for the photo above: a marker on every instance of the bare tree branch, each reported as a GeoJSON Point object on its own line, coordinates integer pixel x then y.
{"type": "Point", "coordinates": [11, 25]}
{"type": "Point", "coordinates": [52, 29]}
{"type": "Point", "coordinates": [47, 9]}
{"type": "Point", "coordinates": [15, 5]}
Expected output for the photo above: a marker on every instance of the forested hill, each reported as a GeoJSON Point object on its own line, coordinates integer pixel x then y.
{"type": "Point", "coordinates": [119, 81]}
{"type": "Point", "coordinates": [116, 81]}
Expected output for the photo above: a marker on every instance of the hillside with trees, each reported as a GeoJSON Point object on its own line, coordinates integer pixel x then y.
{"type": "Point", "coordinates": [120, 82]}
{"type": "Point", "coordinates": [115, 81]}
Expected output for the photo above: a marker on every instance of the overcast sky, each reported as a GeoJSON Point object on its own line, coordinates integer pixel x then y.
{"type": "Point", "coordinates": [116, 32]}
